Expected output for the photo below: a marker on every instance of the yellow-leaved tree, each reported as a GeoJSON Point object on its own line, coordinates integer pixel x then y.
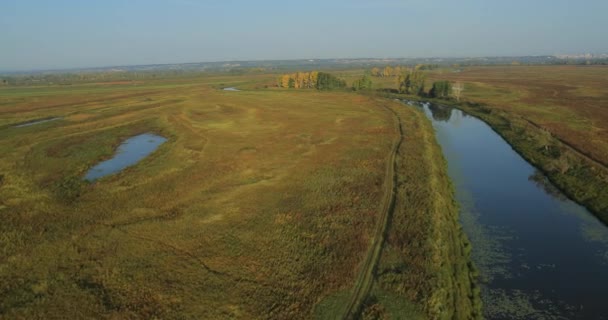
{"type": "Point", "coordinates": [285, 81]}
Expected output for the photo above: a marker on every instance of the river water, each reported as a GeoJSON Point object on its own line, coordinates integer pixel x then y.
{"type": "Point", "coordinates": [540, 255]}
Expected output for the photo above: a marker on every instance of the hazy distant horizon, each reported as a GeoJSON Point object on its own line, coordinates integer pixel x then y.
{"type": "Point", "coordinates": [69, 34]}
{"type": "Point", "coordinates": [293, 59]}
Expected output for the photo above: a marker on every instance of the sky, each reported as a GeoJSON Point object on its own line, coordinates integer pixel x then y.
{"type": "Point", "coordinates": [55, 34]}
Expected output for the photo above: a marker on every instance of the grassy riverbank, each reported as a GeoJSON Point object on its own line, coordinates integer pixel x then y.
{"type": "Point", "coordinates": [425, 269]}
{"type": "Point", "coordinates": [554, 116]}
{"type": "Point", "coordinates": [580, 177]}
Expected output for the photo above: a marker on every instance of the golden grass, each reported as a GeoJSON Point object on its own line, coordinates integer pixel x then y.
{"type": "Point", "coordinates": [261, 204]}
{"type": "Point", "coordinates": [425, 262]}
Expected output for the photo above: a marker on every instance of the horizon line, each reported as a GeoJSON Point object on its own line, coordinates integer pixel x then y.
{"type": "Point", "coordinates": [16, 71]}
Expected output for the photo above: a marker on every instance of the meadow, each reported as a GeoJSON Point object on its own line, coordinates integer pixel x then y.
{"type": "Point", "coordinates": [263, 203]}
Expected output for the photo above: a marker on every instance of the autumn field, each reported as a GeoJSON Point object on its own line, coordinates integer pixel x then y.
{"type": "Point", "coordinates": [263, 203]}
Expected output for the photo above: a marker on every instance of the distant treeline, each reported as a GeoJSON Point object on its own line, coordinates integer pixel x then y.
{"type": "Point", "coordinates": [93, 77]}
{"type": "Point", "coordinates": [389, 71]}
{"type": "Point", "coordinates": [83, 77]}
{"type": "Point", "coordinates": [308, 80]}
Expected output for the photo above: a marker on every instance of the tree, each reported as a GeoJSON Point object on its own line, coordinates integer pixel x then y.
{"type": "Point", "coordinates": [397, 71]}
{"type": "Point", "coordinates": [375, 72]}
{"type": "Point", "coordinates": [327, 81]}
{"type": "Point", "coordinates": [411, 82]}
{"type": "Point", "coordinates": [314, 76]}
{"type": "Point", "coordinates": [365, 83]}
{"type": "Point", "coordinates": [441, 89]}
{"type": "Point", "coordinates": [285, 81]}
{"type": "Point", "coordinates": [387, 72]}
{"type": "Point", "coordinates": [421, 92]}
{"type": "Point", "coordinates": [457, 89]}
{"type": "Point", "coordinates": [544, 140]}
{"type": "Point", "coordinates": [313, 79]}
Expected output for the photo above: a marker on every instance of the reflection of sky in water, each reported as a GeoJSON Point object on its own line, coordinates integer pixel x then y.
{"type": "Point", "coordinates": [539, 254]}
{"type": "Point", "coordinates": [128, 153]}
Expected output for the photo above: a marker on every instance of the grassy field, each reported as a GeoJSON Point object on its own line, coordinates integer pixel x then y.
{"type": "Point", "coordinates": [262, 204]}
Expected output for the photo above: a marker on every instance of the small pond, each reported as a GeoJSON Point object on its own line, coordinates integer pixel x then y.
{"type": "Point", "coordinates": [231, 89]}
{"type": "Point", "coordinates": [129, 153]}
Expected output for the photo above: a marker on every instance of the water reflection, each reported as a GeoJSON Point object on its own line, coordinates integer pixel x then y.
{"type": "Point", "coordinates": [129, 152]}
{"type": "Point", "coordinates": [544, 184]}
{"type": "Point", "coordinates": [540, 255]}
{"type": "Point", "coordinates": [440, 113]}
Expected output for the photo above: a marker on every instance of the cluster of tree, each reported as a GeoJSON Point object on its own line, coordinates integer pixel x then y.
{"type": "Point", "coordinates": [365, 83]}
{"type": "Point", "coordinates": [387, 71]}
{"type": "Point", "coordinates": [328, 81]}
{"type": "Point", "coordinates": [313, 79]}
{"type": "Point", "coordinates": [299, 80]}
{"type": "Point", "coordinates": [78, 77]}
{"type": "Point", "coordinates": [411, 82]}
{"type": "Point", "coordinates": [441, 89]}
{"type": "Point", "coordinates": [581, 62]}
{"type": "Point", "coordinates": [427, 66]}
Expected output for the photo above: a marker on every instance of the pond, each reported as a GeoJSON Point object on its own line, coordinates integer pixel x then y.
{"type": "Point", "coordinates": [129, 153]}
{"type": "Point", "coordinates": [231, 89]}
{"type": "Point", "coordinates": [540, 255]}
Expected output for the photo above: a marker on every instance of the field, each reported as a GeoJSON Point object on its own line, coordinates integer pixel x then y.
{"type": "Point", "coordinates": [263, 203]}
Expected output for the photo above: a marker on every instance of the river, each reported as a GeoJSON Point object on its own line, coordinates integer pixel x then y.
{"type": "Point", "coordinates": [540, 255]}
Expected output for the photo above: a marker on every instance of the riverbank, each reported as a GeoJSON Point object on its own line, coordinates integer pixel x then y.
{"type": "Point", "coordinates": [413, 279]}
{"type": "Point", "coordinates": [579, 177]}
{"type": "Point", "coordinates": [529, 268]}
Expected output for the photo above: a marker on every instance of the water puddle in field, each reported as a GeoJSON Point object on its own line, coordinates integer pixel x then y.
{"type": "Point", "coordinates": [129, 153]}
{"type": "Point", "coordinates": [540, 255]}
{"type": "Point", "coordinates": [31, 123]}
{"type": "Point", "coordinates": [231, 89]}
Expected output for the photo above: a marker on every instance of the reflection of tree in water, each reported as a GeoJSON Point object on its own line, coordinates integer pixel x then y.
{"type": "Point", "coordinates": [542, 182]}
{"type": "Point", "coordinates": [440, 113]}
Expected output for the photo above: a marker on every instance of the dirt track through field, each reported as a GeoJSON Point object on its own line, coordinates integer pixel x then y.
{"type": "Point", "coordinates": [365, 279]}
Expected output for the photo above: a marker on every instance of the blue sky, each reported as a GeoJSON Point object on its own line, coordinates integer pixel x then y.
{"type": "Point", "coordinates": [47, 34]}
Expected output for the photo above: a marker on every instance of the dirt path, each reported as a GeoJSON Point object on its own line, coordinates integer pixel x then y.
{"type": "Point", "coordinates": [365, 279]}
